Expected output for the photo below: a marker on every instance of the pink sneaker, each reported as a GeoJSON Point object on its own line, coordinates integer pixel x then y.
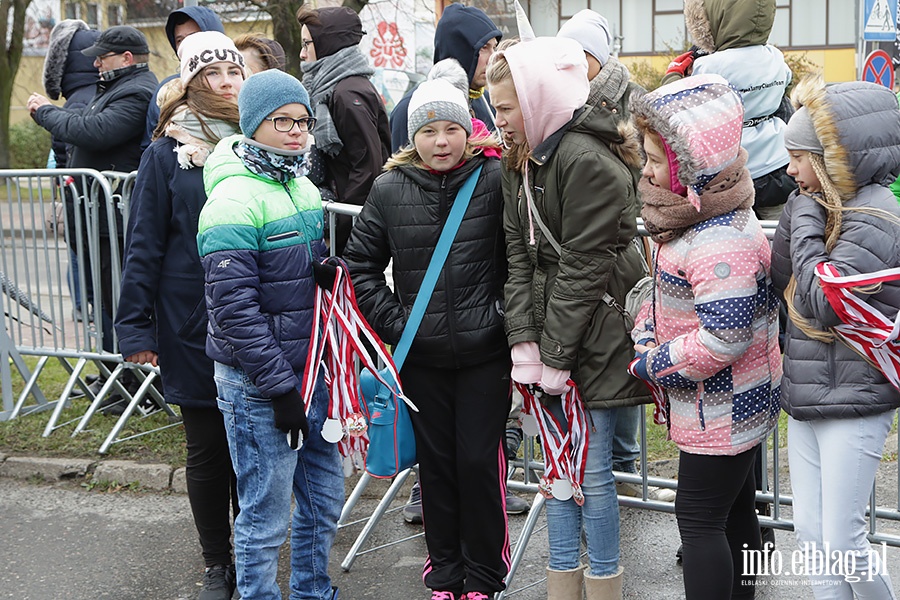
{"type": "Point", "coordinates": [475, 596]}
{"type": "Point", "coordinates": [441, 595]}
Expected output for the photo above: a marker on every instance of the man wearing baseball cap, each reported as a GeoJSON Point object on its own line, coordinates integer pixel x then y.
{"type": "Point", "coordinates": [106, 134]}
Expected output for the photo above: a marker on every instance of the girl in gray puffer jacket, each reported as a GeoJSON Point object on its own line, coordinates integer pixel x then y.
{"type": "Point", "coordinates": [844, 146]}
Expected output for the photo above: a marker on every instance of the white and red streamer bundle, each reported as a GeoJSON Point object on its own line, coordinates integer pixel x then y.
{"type": "Point", "coordinates": [339, 327]}
{"type": "Point", "coordinates": [565, 451]}
{"type": "Point", "coordinates": [864, 328]}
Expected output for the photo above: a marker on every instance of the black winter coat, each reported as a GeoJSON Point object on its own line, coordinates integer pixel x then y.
{"type": "Point", "coordinates": [362, 124]}
{"type": "Point", "coordinates": [106, 134]}
{"type": "Point", "coordinates": [402, 219]}
{"type": "Point", "coordinates": [162, 306]}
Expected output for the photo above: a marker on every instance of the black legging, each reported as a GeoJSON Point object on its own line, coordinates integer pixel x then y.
{"type": "Point", "coordinates": [716, 518]}
{"type": "Point", "coordinates": [211, 482]}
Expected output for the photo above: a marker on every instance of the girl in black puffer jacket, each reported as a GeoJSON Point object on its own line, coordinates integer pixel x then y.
{"type": "Point", "coordinates": [457, 372]}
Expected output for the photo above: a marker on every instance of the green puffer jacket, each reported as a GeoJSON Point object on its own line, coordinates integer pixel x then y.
{"type": "Point", "coordinates": [586, 193]}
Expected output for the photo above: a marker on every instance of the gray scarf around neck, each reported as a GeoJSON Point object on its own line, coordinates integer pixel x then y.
{"type": "Point", "coordinates": [320, 77]}
{"type": "Point", "coordinates": [610, 82]}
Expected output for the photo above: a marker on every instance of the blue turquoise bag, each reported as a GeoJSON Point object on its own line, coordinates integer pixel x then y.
{"type": "Point", "coordinates": [392, 442]}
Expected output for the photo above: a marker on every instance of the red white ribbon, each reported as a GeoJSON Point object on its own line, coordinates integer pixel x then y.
{"type": "Point", "coordinates": [565, 453]}
{"type": "Point", "coordinates": [660, 402]}
{"type": "Point", "coordinates": [339, 327]}
{"type": "Point", "coordinates": [864, 328]}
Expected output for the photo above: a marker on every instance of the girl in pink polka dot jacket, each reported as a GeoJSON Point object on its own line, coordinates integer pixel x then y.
{"type": "Point", "coordinates": [708, 335]}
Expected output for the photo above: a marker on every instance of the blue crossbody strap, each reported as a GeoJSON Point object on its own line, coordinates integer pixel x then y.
{"type": "Point", "coordinates": [441, 251]}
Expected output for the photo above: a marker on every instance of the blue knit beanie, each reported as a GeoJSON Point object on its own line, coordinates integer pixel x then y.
{"type": "Point", "coordinates": [263, 93]}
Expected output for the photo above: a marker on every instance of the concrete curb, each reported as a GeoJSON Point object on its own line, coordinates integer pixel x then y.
{"type": "Point", "coordinates": [156, 477]}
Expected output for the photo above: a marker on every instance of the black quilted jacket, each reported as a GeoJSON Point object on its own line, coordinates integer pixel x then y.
{"type": "Point", "coordinates": [402, 220]}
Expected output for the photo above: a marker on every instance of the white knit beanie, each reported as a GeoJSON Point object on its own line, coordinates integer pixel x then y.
{"type": "Point", "coordinates": [591, 30]}
{"type": "Point", "coordinates": [199, 50]}
{"type": "Point", "coordinates": [438, 99]}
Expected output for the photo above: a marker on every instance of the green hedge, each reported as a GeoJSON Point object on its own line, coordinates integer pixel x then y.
{"type": "Point", "coordinates": [29, 145]}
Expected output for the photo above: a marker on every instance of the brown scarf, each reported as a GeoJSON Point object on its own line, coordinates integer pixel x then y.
{"type": "Point", "coordinates": [667, 215]}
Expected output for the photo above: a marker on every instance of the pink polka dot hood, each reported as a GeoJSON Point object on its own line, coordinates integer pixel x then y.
{"type": "Point", "coordinates": [700, 119]}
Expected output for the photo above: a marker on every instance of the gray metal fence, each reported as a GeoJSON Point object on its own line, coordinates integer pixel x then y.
{"type": "Point", "coordinates": [37, 243]}
{"type": "Point", "coordinates": [51, 219]}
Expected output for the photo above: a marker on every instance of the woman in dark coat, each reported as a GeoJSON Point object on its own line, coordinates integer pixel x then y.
{"type": "Point", "coordinates": [162, 316]}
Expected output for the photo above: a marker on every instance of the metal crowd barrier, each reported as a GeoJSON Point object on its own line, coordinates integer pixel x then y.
{"type": "Point", "coordinates": [524, 477]}
{"type": "Point", "coordinates": [39, 242]}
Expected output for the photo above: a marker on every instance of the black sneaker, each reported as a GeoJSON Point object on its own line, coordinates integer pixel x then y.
{"type": "Point", "coordinates": [514, 439]}
{"type": "Point", "coordinates": [216, 585]}
{"type": "Point", "coordinates": [412, 512]}
{"type": "Point", "coordinates": [516, 505]}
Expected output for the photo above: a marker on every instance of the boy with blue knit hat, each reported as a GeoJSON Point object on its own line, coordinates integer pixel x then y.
{"type": "Point", "coordinates": [260, 232]}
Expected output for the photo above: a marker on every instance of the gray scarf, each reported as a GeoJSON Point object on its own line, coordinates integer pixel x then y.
{"type": "Point", "coordinates": [610, 83]}
{"type": "Point", "coordinates": [320, 77]}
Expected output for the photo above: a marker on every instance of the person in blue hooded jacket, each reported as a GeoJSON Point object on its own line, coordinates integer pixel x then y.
{"type": "Point", "coordinates": [180, 24]}
{"type": "Point", "coordinates": [467, 34]}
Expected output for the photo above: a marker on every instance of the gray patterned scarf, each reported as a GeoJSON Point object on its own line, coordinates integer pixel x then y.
{"type": "Point", "coordinates": [320, 77]}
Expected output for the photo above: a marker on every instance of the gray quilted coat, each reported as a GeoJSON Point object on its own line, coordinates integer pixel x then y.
{"type": "Point", "coordinates": [859, 125]}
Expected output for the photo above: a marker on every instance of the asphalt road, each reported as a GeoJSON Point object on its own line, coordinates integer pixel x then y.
{"type": "Point", "coordinates": [63, 542]}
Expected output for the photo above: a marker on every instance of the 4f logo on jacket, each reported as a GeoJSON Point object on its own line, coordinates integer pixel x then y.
{"type": "Point", "coordinates": [224, 263]}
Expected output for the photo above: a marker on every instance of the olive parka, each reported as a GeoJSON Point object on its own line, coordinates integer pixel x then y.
{"type": "Point", "coordinates": [583, 179]}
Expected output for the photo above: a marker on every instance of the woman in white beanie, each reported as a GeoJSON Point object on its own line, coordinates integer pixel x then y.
{"type": "Point", "coordinates": [161, 318]}
{"type": "Point", "coordinates": [458, 367]}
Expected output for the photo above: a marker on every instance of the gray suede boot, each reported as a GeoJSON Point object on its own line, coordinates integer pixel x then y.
{"type": "Point", "coordinates": [607, 587]}
{"type": "Point", "coordinates": [565, 585]}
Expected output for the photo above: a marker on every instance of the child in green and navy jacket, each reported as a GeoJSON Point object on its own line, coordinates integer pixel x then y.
{"type": "Point", "coordinates": [260, 233]}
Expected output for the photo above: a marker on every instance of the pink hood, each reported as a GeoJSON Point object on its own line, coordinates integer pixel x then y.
{"type": "Point", "coordinates": [550, 76]}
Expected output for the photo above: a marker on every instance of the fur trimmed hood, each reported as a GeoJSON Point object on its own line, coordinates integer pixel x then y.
{"type": "Point", "coordinates": [66, 68]}
{"type": "Point", "coordinates": [858, 124]}
{"type": "Point", "coordinates": [723, 24]}
{"type": "Point", "coordinates": [701, 119]}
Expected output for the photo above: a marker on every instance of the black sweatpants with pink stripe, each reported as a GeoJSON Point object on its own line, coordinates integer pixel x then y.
{"type": "Point", "coordinates": [459, 430]}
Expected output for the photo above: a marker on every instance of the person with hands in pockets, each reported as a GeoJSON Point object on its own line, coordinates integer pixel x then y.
{"type": "Point", "coordinates": [707, 337]}
{"type": "Point", "coordinates": [260, 233]}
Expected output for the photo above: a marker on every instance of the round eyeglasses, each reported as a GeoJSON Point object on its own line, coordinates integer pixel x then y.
{"type": "Point", "coordinates": [285, 124]}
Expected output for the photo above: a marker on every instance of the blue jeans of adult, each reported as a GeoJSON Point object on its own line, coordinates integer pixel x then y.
{"type": "Point", "coordinates": [833, 464]}
{"type": "Point", "coordinates": [599, 517]}
{"type": "Point", "coordinates": [267, 472]}
{"type": "Point", "coordinates": [626, 444]}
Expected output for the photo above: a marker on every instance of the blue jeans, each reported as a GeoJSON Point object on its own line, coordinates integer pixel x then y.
{"type": "Point", "coordinates": [267, 472]}
{"type": "Point", "coordinates": [600, 514]}
{"type": "Point", "coordinates": [833, 464]}
{"type": "Point", "coordinates": [626, 444]}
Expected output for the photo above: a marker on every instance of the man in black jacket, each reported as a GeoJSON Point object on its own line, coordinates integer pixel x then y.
{"type": "Point", "coordinates": [106, 134]}
{"type": "Point", "coordinates": [352, 133]}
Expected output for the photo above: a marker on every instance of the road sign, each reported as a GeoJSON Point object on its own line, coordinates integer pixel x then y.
{"type": "Point", "coordinates": [880, 21]}
{"type": "Point", "coordinates": [878, 69]}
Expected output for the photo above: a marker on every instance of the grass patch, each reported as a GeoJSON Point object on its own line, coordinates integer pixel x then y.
{"type": "Point", "coordinates": [23, 436]}
{"type": "Point", "coordinates": [658, 447]}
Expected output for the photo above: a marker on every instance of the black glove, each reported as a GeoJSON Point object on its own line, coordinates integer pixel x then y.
{"type": "Point", "coordinates": [290, 416]}
{"type": "Point", "coordinates": [325, 272]}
